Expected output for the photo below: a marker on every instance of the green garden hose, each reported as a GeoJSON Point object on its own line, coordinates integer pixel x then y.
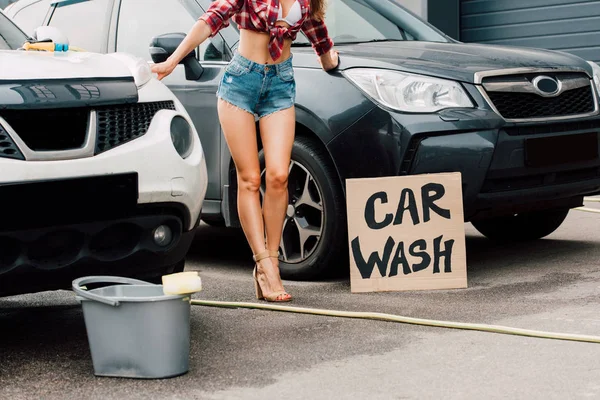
{"type": "Point", "coordinates": [408, 320]}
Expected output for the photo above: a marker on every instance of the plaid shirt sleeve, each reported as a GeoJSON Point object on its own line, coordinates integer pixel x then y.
{"type": "Point", "coordinates": [218, 15]}
{"type": "Point", "coordinates": [317, 33]}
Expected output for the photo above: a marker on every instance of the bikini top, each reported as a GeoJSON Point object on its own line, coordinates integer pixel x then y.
{"type": "Point", "coordinates": [250, 14]}
{"type": "Point", "coordinates": [294, 14]}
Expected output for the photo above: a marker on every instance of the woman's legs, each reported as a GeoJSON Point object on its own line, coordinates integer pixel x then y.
{"type": "Point", "coordinates": [277, 133]}
{"type": "Point", "coordinates": [239, 130]}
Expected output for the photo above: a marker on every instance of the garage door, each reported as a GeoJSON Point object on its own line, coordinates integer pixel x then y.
{"type": "Point", "coordinates": [567, 25]}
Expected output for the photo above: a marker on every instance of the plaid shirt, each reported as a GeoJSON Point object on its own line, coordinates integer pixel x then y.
{"type": "Point", "coordinates": [261, 15]}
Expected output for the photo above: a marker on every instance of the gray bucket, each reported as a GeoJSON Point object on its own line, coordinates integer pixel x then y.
{"type": "Point", "coordinates": [135, 330]}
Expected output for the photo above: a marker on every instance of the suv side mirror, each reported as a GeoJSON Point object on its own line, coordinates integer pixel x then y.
{"type": "Point", "coordinates": [162, 46]}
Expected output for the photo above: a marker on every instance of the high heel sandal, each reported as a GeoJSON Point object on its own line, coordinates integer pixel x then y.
{"type": "Point", "coordinates": [274, 254]}
{"type": "Point", "coordinates": [275, 297]}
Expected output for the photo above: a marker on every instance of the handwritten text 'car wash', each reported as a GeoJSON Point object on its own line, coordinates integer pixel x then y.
{"type": "Point", "coordinates": [409, 229]}
{"type": "Point", "coordinates": [430, 193]}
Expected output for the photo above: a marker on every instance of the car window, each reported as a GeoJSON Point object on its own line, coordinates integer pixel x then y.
{"type": "Point", "coordinates": [355, 21]}
{"type": "Point", "coordinates": [352, 21]}
{"type": "Point", "coordinates": [84, 23]}
{"type": "Point", "coordinates": [11, 37]}
{"type": "Point", "coordinates": [30, 17]}
{"type": "Point", "coordinates": [231, 33]}
{"type": "Point", "coordinates": [140, 21]}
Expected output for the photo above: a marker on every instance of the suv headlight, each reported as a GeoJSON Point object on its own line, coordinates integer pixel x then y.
{"type": "Point", "coordinates": [408, 92]}
{"type": "Point", "coordinates": [596, 69]}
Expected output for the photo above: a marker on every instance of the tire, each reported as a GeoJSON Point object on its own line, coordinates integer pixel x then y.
{"type": "Point", "coordinates": [522, 227]}
{"type": "Point", "coordinates": [312, 173]}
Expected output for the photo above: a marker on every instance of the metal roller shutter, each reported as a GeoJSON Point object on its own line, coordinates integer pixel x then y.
{"type": "Point", "coordinates": [568, 25]}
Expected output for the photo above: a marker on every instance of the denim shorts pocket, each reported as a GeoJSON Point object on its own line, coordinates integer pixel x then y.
{"type": "Point", "coordinates": [286, 73]}
{"type": "Point", "coordinates": [236, 69]}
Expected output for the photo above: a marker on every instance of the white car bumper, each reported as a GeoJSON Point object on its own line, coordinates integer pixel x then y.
{"type": "Point", "coordinates": [163, 176]}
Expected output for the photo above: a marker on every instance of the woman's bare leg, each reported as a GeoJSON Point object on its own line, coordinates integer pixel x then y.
{"type": "Point", "coordinates": [277, 133]}
{"type": "Point", "coordinates": [239, 129]}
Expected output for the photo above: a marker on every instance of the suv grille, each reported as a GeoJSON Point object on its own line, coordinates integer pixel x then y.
{"type": "Point", "coordinates": [49, 129]}
{"type": "Point", "coordinates": [557, 127]}
{"type": "Point", "coordinates": [119, 124]}
{"type": "Point", "coordinates": [529, 105]}
{"type": "Point", "coordinates": [8, 149]}
{"type": "Point", "coordinates": [517, 97]}
{"type": "Point", "coordinates": [66, 128]}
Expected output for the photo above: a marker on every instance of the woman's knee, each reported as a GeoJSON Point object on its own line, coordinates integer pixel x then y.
{"type": "Point", "coordinates": [277, 179]}
{"type": "Point", "coordinates": [249, 181]}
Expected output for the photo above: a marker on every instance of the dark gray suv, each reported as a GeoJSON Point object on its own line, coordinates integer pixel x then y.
{"type": "Point", "coordinates": [521, 125]}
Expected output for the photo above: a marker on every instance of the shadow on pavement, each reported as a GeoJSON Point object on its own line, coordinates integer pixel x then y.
{"type": "Point", "coordinates": [227, 248]}
{"type": "Point", "coordinates": [483, 254]}
{"type": "Point", "coordinates": [44, 349]}
{"type": "Point", "coordinates": [222, 245]}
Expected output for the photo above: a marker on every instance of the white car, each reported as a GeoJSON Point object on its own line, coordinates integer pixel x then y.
{"type": "Point", "coordinates": [101, 170]}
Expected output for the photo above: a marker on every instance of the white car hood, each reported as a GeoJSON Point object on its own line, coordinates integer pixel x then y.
{"type": "Point", "coordinates": [24, 65]}
{"type": "Point", "coordinates": [34, 79]}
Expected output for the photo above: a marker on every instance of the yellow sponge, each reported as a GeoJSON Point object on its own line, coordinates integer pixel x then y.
{"type": "Point", "coordinates": [182, 283]}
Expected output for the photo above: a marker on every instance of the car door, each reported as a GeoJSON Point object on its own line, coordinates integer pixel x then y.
{"type": "Point", "coordinates": [85, 23]}
{"type": "Point", "coordinates": [141, 20]}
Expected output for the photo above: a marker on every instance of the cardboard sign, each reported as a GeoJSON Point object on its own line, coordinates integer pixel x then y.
{"type": "Point", "coordinates": [406, 233]}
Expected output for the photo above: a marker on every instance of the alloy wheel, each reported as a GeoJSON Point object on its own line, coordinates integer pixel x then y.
{"type": "Point", "coordinates": [305, 218]}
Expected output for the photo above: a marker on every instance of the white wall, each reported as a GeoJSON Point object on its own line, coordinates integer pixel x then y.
{"type": "Point", "coordinates": [419, 7]}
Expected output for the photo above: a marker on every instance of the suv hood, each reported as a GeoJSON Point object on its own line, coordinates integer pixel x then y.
{"type": "Point", "coordinates": [32, 79]}
{"type": "Point", "coordinates": [456, 61]}
{"type": "Point", "coordinates": [23, 65]}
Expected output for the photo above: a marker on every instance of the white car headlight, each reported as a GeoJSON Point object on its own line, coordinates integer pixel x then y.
{"type": "Point", "coordinates": [181, 136]}
{"type": "Point", "coordinates": [596, 69]}
{"type": "Point", "coordinates": [408, 92]}
{"type": "Point", "coordinates": [138, 67]}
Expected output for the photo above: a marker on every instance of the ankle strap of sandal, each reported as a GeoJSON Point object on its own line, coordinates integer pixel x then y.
{"type": "Point", "coordinates": [261, 256]}
{"type": "Point", "coordinates": [273, 253]}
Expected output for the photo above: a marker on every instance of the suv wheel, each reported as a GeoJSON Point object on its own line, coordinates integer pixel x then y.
{"type": "Point", "coordinates": [522, 227]}
{"type": "Point", "coordinates": [314, 230]}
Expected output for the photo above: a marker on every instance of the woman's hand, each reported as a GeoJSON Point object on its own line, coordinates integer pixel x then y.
{"type": "Point", "coordinates": [163, 69]}
{"type": "Point", "coordinates": [197, 35]}
{"type": "Point", "coordinates": [329, 60]}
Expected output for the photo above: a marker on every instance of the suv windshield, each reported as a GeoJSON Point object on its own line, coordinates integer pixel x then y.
{"type": "Point", "coordinates": [362, 21]}
{"type": "Point", "coordinates": [11, 37]}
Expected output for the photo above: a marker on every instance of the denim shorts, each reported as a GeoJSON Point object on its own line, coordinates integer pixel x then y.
{"type": "Point", "coordinates": [260, 89]}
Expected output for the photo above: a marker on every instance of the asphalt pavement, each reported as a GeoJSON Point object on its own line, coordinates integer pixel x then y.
{"type": "Point", "coordinates": [551, 284]}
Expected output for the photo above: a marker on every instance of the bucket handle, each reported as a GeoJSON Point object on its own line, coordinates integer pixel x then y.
{"type": "Point", "coordinates": [77, 283]}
